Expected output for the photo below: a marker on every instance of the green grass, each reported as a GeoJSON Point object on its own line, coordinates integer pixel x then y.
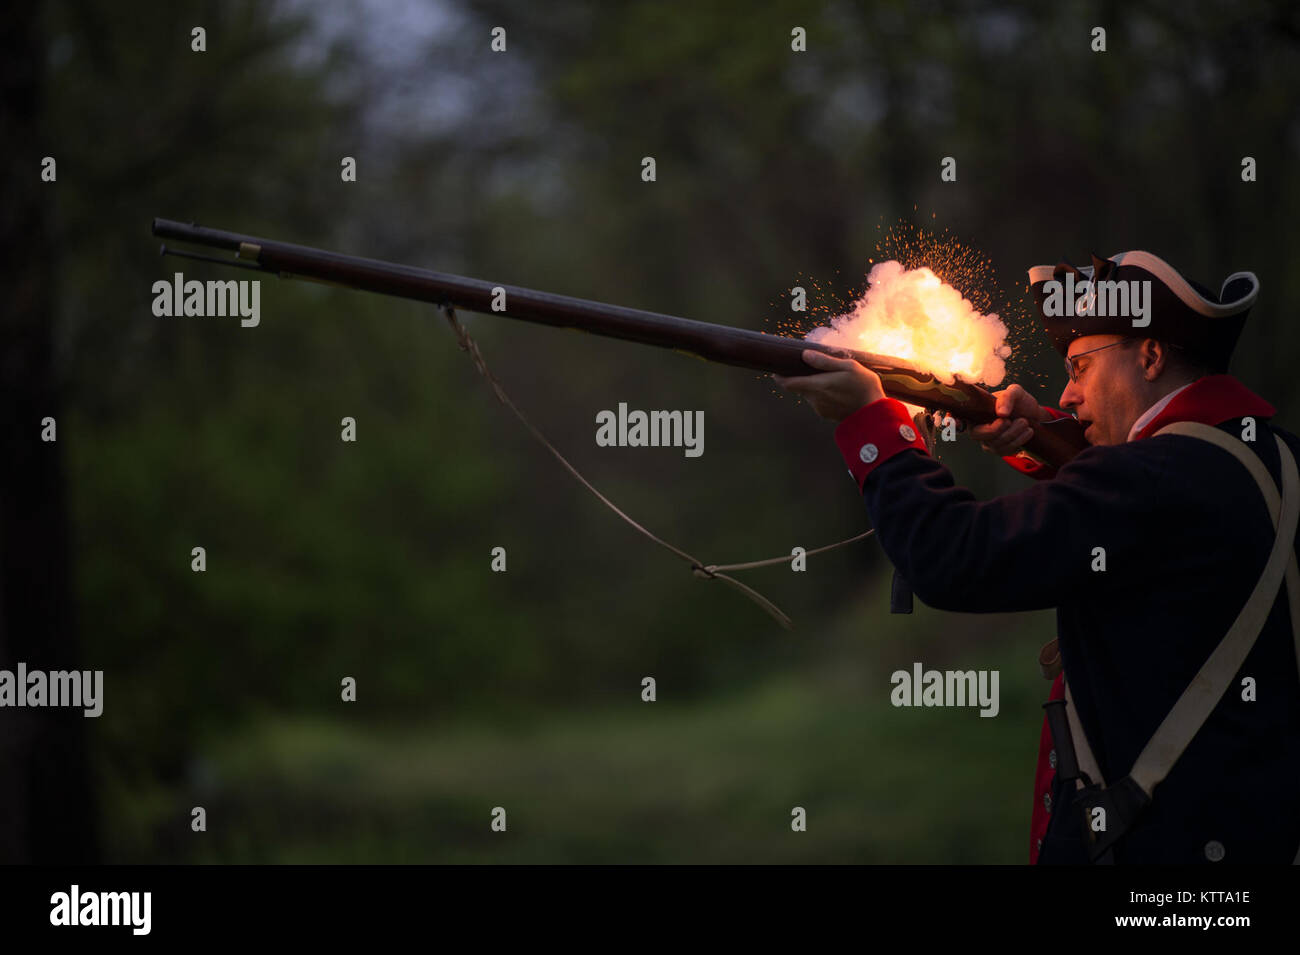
{"type": "Point", "coordinates": [668, 781]}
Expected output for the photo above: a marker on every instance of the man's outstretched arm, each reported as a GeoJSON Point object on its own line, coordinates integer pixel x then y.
{"type": "Point", "coordinates": [1023, 551]}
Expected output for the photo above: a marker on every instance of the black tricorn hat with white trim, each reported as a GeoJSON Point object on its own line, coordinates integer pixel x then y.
{"type": "Point", "coordinates": [1171, 308]}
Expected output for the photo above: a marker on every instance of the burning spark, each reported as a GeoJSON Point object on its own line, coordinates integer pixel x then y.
{"type": "Point", "coordinates": [960, 266]}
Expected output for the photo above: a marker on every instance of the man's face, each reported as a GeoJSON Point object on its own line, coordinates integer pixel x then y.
{"type": "Point", "coordinates": [1107, 396]}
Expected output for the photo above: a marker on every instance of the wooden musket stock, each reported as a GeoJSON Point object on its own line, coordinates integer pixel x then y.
{"type": "Point", "coordinates": [1053, 442]}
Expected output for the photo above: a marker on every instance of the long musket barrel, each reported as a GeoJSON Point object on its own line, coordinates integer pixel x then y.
{"type": "Point", "coordinates": [1054, 442]}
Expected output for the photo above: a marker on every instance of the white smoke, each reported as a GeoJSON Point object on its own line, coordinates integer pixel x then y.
{"type": "Point", "coordinates": [913, 315]}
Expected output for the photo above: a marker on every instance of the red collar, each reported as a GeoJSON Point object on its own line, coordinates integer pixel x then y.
{"type": "Point", "coordinates": [1210, 400]}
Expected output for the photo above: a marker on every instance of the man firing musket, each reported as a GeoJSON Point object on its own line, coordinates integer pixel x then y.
{"type": "Point", "coordinates": [1148, 542]}
{"type": "Point", "coordinates": [1165, 741]}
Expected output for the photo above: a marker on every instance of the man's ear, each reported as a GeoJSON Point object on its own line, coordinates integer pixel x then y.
{"type": "Point", "coordinates": [1155, 355]}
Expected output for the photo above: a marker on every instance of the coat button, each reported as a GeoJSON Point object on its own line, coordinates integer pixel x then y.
{"type": "Point", "coordinates": [1039, 845]}
{"type": "Point", "coordinates": [1214, 850]}
{"type": "Point", "coordinates": [1051, 759]}
{"type": "Point", "coordinates": [869, 453]}
{"type": "Point", "coordinates": [906, 433]}
{"type": "Point", "coordinates": [1047, 801]}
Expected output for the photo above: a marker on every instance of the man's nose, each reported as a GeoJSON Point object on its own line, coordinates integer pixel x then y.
{"type": "Point", "coordinates": [1071, 397]}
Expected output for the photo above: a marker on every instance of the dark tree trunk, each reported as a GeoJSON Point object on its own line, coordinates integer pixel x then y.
{"type": "Point", "coordinates": [46, 811]}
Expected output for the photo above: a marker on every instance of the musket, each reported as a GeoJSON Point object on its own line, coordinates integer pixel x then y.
{"type": "Point", "coordinates": [1053, 442]}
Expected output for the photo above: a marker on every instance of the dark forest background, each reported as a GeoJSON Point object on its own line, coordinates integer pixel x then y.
{"type": "Point", "coordinates": [371, 560]}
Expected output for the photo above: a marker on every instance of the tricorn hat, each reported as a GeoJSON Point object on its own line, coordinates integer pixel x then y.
{"type": "Point", "coordinates": [1103, 299]}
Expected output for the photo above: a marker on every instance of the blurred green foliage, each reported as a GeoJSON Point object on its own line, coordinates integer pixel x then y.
{"type": "Point", "coordinates": [371, 560]}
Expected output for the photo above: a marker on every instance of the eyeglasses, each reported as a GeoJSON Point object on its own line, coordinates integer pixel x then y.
{"type": "Point", "coordinates": [1072, 369]}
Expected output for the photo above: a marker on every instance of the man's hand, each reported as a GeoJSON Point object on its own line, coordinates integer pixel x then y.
{"type": "Point", "coordinates": [1004, 436]}
{"type": "Point", "coordinates": [842, 388]}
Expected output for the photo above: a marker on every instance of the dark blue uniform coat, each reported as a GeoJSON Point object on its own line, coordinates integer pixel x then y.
{"type": "Point", "coordinates": [1186, 534]}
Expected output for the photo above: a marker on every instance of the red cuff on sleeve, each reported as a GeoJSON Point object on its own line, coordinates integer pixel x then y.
{"type": "Point", "coordinates": [875, 433]}
{"type": "Point", "coordinates": [1030, 466]}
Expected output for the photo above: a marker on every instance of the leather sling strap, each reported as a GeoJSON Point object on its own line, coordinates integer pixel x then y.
{"type": "Point", "coordinates": [1211, 682]}
{"type": "Point", "coordinates": [1193, 708]}
{"type": "Point", "coordinates": [1082, 751]}
{"type": "Point", "coordinates": [1266, 485]}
